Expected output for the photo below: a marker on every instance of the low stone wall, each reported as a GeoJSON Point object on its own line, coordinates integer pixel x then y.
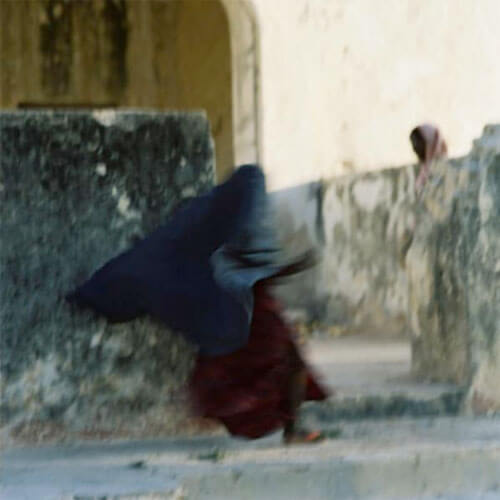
{"type": "Point", "coordinates": [76, 189]}
{"type": "Point", "coordinates": [362, 226]}
{"type": "Point", "coordinates": [368, 226]}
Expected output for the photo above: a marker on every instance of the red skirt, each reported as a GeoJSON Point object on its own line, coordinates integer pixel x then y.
{"type": "Point", "coordinates": [248, 390]}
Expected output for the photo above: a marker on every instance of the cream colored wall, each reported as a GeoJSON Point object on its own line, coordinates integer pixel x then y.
{"type": "Point", "coordinates": [343, 81]}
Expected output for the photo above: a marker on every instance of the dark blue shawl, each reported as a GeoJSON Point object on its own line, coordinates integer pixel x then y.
{"type": "Point", "coordinates": [196, 272]}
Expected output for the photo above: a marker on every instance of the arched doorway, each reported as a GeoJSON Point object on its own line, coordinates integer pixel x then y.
{"type": "Point", "coordinates": [160, 54]}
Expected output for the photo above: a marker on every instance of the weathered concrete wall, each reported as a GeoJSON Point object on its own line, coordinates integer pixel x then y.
{"type": "Point", "coordinates": [368, 221]}
{"type": "Point", "coordinates": [483, 273]}
{"type": "Point", "coordinates": [445, 234]}
{"type": "Point", "coordinates": [76, 189]}
{"type": "Point", "coordinates": [392, 263]}
{"type": "Point", "coordinates": [454, 275]}
{"type": "Point", "coordinates": [362, 226]}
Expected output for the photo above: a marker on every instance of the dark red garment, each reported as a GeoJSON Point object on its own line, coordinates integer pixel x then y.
{"type": "Point", "coordinates": [248, 389]}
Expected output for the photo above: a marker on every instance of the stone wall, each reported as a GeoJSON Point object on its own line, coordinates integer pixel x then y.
{"type": "Point", "coordinates": [454, 275]}
{"type": "Point", "coordinates": [368, 221]}
{"type": "Point", "coordinates": [76, 189]}
{"type": "Point", "coordinates": [362, 226]}
{"type": "Point", "coordinates": [445, 234]}
{"type": "Point", "coordinates": [427, 267]}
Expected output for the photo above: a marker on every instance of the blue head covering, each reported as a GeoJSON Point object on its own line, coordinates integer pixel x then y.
{"type": "Point", "coordinates": [196, 272]}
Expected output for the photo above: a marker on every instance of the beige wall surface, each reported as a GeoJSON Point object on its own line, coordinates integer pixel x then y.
{"type": "Point", "coordinates": [343, 81]}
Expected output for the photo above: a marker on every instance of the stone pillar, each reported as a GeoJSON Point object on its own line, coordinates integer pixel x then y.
{"type": "Point", "coordinates": [454, 275]}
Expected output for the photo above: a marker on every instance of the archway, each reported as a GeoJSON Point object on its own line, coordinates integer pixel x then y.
{"type": "Point", "coordinates": [160, 54]}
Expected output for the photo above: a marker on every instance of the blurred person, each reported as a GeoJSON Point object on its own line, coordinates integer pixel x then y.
{"type": "Point", "coordinates": [429, 145]}
{"type": "Point", "coordinates": [208, 273]}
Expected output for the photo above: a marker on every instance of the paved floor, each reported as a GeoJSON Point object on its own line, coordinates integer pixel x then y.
{"type": "Point", "coordinates": [364, 365]}
{"type": "Point", "coordinates": [395, 459]}
{"type": "Point", "coordinates": [456, 458]}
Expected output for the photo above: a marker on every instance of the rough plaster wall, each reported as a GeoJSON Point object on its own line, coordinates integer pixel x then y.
{"type": "Point", "coordinates": [344, 81]}
{"type": "Point", "coordinates": [484, 282]}
{"type": "Point", "coordinates": [361, 225]}
{"type": "Point", "coordinates": [368, 220]}
{"type": "Point", "coordinates": [161, 54]}
{"type": "Point", "coordinates": [76, 190]}
{"type": "Point", "coordinates": [394, 263]}
{"type": "Point", "coordinates": [454, 278]}
{"type": "Point", "coordinates": [438, 288]}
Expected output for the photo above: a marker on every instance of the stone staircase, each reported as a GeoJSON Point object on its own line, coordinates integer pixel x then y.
{"type": "Point", "coordinates": [390, 458]}
{"type": "Point", "coordinates": [389, 437]}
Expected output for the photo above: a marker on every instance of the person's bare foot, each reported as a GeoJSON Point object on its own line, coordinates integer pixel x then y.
{"type": "Point", "coordinates": [303, 437]}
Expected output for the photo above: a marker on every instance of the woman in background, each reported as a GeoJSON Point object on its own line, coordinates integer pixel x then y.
{"type": "Point", "coordinates": [429, 145]}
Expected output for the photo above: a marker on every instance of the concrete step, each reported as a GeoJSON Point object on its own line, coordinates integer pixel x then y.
{"type": "Point", "coordinates": [450, 458]}
{"type": "Point", "coordinates": [377, 448]}
{"type": "Point", "coordinates": [349, 407]}
{"type": "Point", "coordinates": [370, 377]}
